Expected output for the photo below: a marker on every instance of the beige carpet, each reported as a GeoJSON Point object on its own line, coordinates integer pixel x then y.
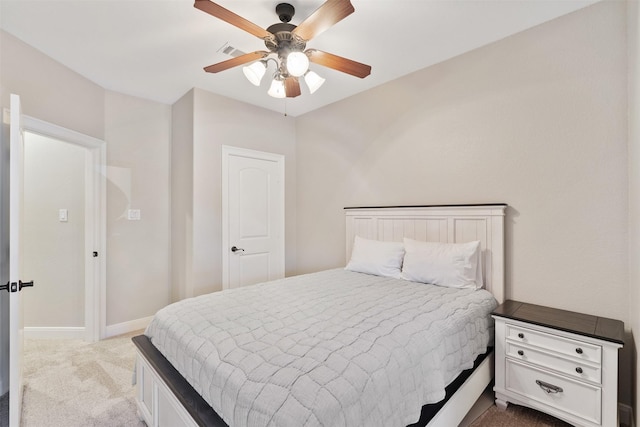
{"type": "Point", "coordinates": [74, 383]}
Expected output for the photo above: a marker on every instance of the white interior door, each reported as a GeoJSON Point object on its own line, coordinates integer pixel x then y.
{"type": "Point", "coordinates": [253, 217]}
{"type": "Point", "coordinates": [15, 283]}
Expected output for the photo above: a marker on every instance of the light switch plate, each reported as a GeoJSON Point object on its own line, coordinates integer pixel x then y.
{"type": "Point", "coordinates": [63, 215]}
{"type": "Point", "coordinates": [133, 214]}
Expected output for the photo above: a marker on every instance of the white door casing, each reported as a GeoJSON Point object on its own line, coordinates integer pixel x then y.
{"type": "Point", "coordinates": [15, 303]}
{"type": "Point", "coordinates": [252, 216]}
{"type": "Point", "coordinates": [95, 220]}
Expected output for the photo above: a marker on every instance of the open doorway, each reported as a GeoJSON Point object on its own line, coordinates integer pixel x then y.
{"type": "Point", "coordinates": [53, 237]}
{"type": "Point", "coordinates": [64, 228]}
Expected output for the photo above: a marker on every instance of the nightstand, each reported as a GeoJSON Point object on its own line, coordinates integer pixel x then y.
{"type": "Point", "coordinates": [559, 362]}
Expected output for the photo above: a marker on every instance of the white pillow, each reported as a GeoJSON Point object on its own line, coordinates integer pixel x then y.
{"type": "Point", "coordinates": [455, 265]}
{"type": "Point", "coordinates": [376, 257]}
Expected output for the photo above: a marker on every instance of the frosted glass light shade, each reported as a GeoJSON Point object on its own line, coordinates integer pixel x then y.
{"type": "Point", "coordinates": [297, 63]}
{"type": "Point", "coordinates": [313, 80]}
{"type": "Point", "coordinates": [255, 72]}
{"type": "Point", "coordinates": [277, 89]}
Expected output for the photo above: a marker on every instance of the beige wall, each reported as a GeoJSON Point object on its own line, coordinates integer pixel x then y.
{"type": "Point", "coordinates": [48, 90]}
{"type": "Point", "coordinates": [219, 121]}
{"type": "Point", "coordinates": [634, 194]}
{"type": "Point", "coordinates": [537, 120]}
{"type": "Point", "coordinates": [138, 135]}
{"type": "Point", "coordinates": [182, 197]}
{"type": "Point", "coordinates": [53, 252]}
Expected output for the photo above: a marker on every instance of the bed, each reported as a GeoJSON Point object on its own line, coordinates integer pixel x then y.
{"type": "Point", "coordinates": [346, 346]}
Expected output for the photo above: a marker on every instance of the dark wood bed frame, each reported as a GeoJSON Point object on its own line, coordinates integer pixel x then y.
{"type": "Point", "coordinates": [205, 416]}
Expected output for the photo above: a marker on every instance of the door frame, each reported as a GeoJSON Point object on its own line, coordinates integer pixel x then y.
{"type": "Point", "coordinates": [228, 151]}
{"type": "Point", "coordinates": [95, 318]}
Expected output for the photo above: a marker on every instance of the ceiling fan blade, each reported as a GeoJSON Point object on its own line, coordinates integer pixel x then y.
{"type": "Point", "coordinates": [330, 13]}
{"type": "Point", "coordinates": [226, 15]}
{"type": "Point", "coordinates": [292, 87]}
{"type": "Point", "coordinates": [234, 62]}
{"type": "Point", "coordinates": [339, 63]}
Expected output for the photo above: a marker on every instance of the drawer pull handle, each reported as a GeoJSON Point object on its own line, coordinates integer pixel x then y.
{"type": "Point", "coordinates": [549, 388]}
{"type": "Point", "coordinates": [521, 335]}
{"type": "Point", "coordinates": [579, 350]}
{"type": "Point", "coordinates": [520, 353]}
{"type": "Point", "coordinates": [579, 370]}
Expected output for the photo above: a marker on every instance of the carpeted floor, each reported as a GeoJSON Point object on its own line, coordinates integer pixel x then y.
{"type": "Point", "coordinates": [74, 384]}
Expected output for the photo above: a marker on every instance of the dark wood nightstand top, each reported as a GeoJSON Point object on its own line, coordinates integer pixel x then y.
{"type": "Point", "coordinates": [578, 323]}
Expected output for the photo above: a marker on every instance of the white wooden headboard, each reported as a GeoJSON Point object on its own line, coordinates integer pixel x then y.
{"type": "Point", "coordinates": [446, 224]}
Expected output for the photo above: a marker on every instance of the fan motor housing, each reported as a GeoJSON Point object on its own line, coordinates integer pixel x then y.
{"type": "Point", "coordinates": [284, 41]}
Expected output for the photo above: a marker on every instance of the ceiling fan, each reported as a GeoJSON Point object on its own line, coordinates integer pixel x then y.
{"type": "Point", "coordinates": [288, 42]}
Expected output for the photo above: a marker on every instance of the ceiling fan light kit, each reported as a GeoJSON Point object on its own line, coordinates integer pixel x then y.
{"type": "Point", "coordinates": [288, 42]}
{"type": "Point", "coordinates": [255, 72]}
{"type": "Point", "coordinates": [277, 89]}
{"type": "Point", "coordinates": [313, 81]}
{"type": "Point", "coordinates": [297, 63]}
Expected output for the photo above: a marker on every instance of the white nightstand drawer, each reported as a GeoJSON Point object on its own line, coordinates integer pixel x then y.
{"type": "Point", "coordinates": [569, 366]}
{"type": "Point", "coordinates": [577, 349]}
{"type": "Point", "coordinates": [564, 394]}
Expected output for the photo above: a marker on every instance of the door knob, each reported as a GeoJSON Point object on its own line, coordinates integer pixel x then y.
{"type": "Point", "coordinates": [22, 284]}
{"type": "Point", "coordinates": [16, 287]}
{"type": "Point", "coordinates": [235, 249]}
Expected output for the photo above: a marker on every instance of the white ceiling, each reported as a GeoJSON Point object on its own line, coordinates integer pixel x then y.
{"type": "Point", "coordinates": [156, 49]}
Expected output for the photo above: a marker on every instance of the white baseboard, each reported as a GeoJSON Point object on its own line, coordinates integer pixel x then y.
{"type": "Point", "coordinates": [79, 333]}
{"type": "Point", "coordinates": [625, 415]}
{"type": "Point", "coordinates": [55, 333]}
{"type": "Point", "coordinates": [126, 327]}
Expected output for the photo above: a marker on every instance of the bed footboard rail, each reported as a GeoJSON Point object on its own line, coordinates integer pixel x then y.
{"type": "Point", "coordinates": [163, 396]}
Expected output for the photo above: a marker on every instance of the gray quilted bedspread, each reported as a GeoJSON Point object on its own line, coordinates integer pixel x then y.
{"type": "Point", "coordinates": [334, 348]}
